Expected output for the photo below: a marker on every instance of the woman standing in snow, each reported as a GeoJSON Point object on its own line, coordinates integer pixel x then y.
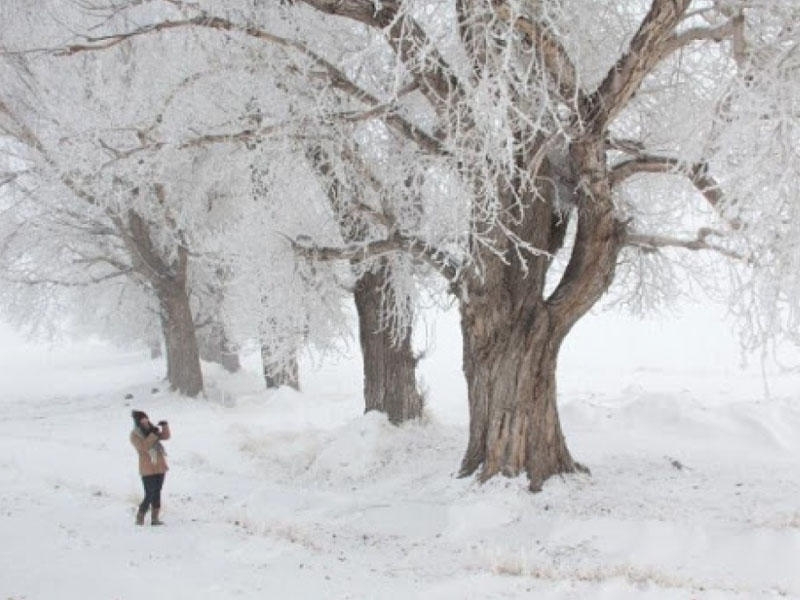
{"type": "Point", "coordinates": [146, 438]}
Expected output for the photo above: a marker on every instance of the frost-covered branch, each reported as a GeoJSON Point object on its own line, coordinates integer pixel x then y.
{"type": "Point", "coordinates": [26, 136]}
{"type": "Point", "coordinates": [651, 243]}
{"type": "Point", "coordinates": [65, 283]}
{"type": "Point", "coordinates": [335, 76]}
{"type": "Point", "coordinates": [447, 266]}
{"type": "Point", "coordinates": [538, 35]}
{"type": "Point", "coordinates": [697, 173]}
{"type": "Point", "coordinates": [20, 130]}
{"type": "Point", "coordinates": [106, 260]}
{"type": "Point", "coordinates": [7, 178]}
{"type": "Point", "coordinates": [645, 51]}
{"type": "Point", "coordinates": [409, 41]}
{"type": "Point", "coordinates": [700, 34]}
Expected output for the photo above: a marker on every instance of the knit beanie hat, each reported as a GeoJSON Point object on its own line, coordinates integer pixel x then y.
{"type": "Point", "coordinates": [138, 415]}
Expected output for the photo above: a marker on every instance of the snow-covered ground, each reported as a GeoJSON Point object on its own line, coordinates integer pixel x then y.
{"type": "Point", "coordinates": [694, 493]}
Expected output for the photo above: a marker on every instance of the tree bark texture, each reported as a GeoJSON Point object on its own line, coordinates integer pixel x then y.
{"type": "Point", "coordinates": [512, 333]}
{"type": "Point", "coordinates": [183, 356]}
{"type": "Point", "coordinates": [168, 279]}
{"type": "Point", "coordinates": [510, 368]}
{"type": "Point", "coordinates": [390, 384]}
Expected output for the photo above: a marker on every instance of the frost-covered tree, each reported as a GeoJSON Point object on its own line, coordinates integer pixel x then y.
{"type": "Point", "coordinates": [282, 304]}
{"type": "Point", "coordinates": [571, 128]}
{"type": "Point", "coordinates": [384, 300]}
{"type": "Point", "coordinates": [544, 142]}
{"type": "Point", "coordinates": [107, 196]}
{"type": "Point", "coordinates": [63, 238]}
{"type": "Point", "coordinates": [389, 363]}
{"type": "Point", "coordinates": [170, 156]}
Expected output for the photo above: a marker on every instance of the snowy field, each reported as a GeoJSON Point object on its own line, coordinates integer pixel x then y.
{"type": "Point", "coordinates": [694, 493]}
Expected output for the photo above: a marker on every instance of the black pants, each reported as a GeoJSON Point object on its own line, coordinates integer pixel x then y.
{"type": "Point", "coordinates": [152, 492]}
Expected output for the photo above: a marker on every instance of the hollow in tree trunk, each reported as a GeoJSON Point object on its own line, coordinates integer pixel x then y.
{"type": "Point", "coordinates": [390, 384]}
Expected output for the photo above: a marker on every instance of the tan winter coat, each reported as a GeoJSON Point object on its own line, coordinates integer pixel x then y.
{"type": "Point", "coordinates": [152, 458]}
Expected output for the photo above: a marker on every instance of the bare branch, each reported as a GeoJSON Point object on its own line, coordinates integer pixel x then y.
{"type": "Point", "coordinates": [697, 173]}
{"type": "Point", "coordinates": [646, 50]}
{"type": "Point", "coordinates": [558, 64]}
{"type": "Point", "coordinates": [66, 283]}
{"type": "Point", "coordinates": [644, 164]}
{"type": "Point", "coordinates": [655, 40]}
{"type": "Point", "coordinates": [651, 243]}
{"type": "Point", "coordinates": [408, 40]}
{"type": "Point", "coordinates": [698, 34]}
{"type": "Point", "coordinates": [444, 264]}
{"type": "Point", "coordinates": [633, 147]}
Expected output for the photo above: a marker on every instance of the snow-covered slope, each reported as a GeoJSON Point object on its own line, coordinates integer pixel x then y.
{"type": "Point", "coordinates": [694, 491]}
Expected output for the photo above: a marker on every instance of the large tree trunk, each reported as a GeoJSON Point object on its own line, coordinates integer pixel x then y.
{"type": "Point", "coordinates": [169, 281]}
{"type": "Point", "coordinates": [279, 372]}
{"type": "Point", "coordinates": [390, 384]}
{"type": "Point", "coordinates": [510, 368]}
{"type": "Point", "coordinates": [183, 357]}
{"type": "Point", "coordinates": [512, 333]}
{"type": "Point", "coordinates": [215, 347]}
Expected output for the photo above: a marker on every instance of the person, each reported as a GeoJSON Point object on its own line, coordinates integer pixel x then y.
{"type": "Point", "coordinates": [147, 438]}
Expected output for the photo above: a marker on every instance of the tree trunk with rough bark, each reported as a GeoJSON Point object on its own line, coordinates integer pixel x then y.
{"type": "Point", "coordinates": [390, 384]}
{"type": "Point", "coordinates": [510, 368]}
{"type": "Point", "coordinates": [512, 332]}
{"type": "Point", "coordinates": [183, 357]}
{"type": "Point", "coordinates": [169, 281]}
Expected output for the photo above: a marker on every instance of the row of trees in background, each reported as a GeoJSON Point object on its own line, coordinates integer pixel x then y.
{"type": "Point", "coordinates": [234, 173]}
